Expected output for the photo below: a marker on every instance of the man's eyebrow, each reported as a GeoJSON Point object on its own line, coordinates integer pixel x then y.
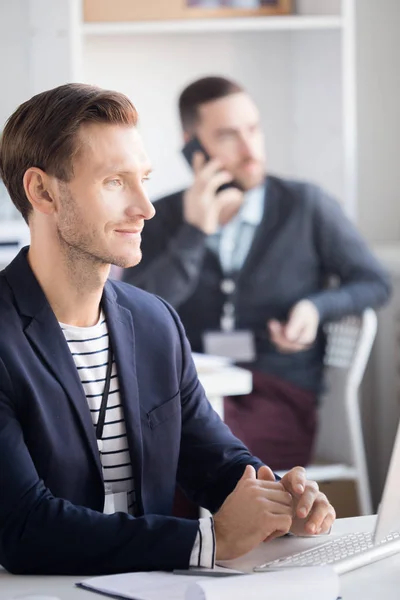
{"type": "Point", "coordinates": [122, 170]}
{"type": "Point", "coordinates": [222, 130]}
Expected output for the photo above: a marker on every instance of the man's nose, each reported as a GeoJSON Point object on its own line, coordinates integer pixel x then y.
{"type": "Point", "coordinates": [246, 148]}
{"type": "Point", "coordinates": [150, 210]}
{"type": "Point", "coordinates": [140, 205]}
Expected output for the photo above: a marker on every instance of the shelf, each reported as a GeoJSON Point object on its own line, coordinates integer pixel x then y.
{"type": "Point", "coordinates": [282, 23]}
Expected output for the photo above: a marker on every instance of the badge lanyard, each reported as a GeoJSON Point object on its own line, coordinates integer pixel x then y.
{"type": "Point", "coordinates": [104, 399]}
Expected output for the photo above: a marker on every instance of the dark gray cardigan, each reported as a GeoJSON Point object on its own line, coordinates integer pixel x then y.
{"type": "Point", "coordinates": [303, 240]}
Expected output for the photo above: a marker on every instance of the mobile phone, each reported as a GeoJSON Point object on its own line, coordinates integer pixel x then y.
{"type": "Point", "coordinates": [194, 145]}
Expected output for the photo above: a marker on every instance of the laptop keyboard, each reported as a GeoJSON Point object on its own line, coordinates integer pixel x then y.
{"type": "Point", "coordinates": [347, 550]}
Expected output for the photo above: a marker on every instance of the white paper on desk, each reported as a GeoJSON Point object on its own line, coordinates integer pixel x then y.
{"type": "Point", "coordinates": [304, 583]}
{"type": "Point", "coordinates": [153, 585]}
{"type": "Point", "coordinates": [311, 583]}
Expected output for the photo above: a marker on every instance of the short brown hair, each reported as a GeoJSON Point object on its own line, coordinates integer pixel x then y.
{"type": "Point", "coordinates": [42, 133]}
{"type": "Point", "coordinates": [200, 92]}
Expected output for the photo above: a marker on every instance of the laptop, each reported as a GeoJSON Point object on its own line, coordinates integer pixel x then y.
{"type": "Point", "coordinates": [348, 552]}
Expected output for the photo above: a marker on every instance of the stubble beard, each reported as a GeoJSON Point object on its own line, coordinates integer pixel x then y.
{"type": "Point", "coordinates": [82, 256]}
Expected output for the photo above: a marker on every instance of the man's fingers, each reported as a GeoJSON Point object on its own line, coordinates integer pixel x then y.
{"type": "Point", "coordinates": [274, 535]}
{"type": "Point", "coordinates": [278, 508]}
{"type": "Point", "coordinates": [294, 329]}
{"type": "Point", "coordinates": [265, 474]}
{"type": "Point", "coordinates": [305, 336]}
{"type": "Point", "coordinates": [280, 340]}
{"type": "Point", "coordinates": [295, 481]}
{"type": "Point", "coordinates": [274, 325]}
{"type": "Point", "coordinates": [277, 525]}
{"type": "Point", "coordinates": [249, 473]}
{"type": "Point", "coordinates": [328, 522]}
{"type": "Point", "coordinates": [199, 160]}
{"type": "Point", "coordinates": [276, 494]}
{"type": "Point", "coordinates": [307, 499]}
{"type": "Point", "coordinates": [300, 329]}
{"type": "Point", "coordinates": [217, 179]}
{"type": "Point", "coordinates": [322, 515]}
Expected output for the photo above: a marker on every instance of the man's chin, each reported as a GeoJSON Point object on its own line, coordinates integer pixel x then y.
{"type": "Point", "coordinates": [250, 182]}
{"type": "Point", "coordinates": [127, 261]}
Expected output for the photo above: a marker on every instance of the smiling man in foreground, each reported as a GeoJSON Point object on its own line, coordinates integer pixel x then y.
{"type": "Point", "coordinates": [101, 411]}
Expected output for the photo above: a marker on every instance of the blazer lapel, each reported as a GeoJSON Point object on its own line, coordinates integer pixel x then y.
{"type": "Point", "coordinates": [45, 334]}
{"type": "Point", "coordinates": [122, 336]}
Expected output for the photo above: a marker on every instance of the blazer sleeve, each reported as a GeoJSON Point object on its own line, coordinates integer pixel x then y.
{"type": "Point", "coordinates": [212, 459]}
{"type": "Point", "coordinates": [362, 281]}
{"type": "Point", "coordinates": [42, 534]}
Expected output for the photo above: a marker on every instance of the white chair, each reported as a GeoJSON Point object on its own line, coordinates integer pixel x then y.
{"type": "Point", "coordinates": [339, 450]}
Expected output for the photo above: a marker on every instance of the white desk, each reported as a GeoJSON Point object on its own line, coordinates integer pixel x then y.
{"type": "Point", "coordinates": [379, 581]}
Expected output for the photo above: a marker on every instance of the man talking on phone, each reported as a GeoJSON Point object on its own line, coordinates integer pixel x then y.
{"type": "Point", "coordinates": [246, 266]}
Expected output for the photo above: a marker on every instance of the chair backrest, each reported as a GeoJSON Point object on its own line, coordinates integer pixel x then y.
{"type": "Point", "coordinates": [349, 344]}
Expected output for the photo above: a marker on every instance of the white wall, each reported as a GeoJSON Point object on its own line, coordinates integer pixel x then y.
{"type": "Point", "coordinates": [14, 63]}
{"type": "Point", "coordinates": [39, 48]}
{"type": "Point", "coordinates": [316, 120]}
{"type": "Point", "coordinates": [378, 84]}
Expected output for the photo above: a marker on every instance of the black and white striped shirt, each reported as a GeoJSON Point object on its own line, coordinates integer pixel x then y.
{"type": "Point", "coordinates": [89, 348]}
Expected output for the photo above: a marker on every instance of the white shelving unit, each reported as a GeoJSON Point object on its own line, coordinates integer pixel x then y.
{"type": "Point", "coordinates": [285, 23]}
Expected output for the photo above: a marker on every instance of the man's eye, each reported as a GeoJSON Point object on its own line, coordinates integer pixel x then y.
{"type": "Point", "coordinates": [114, 182]}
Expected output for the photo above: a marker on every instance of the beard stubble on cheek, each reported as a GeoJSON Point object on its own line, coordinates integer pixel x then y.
{"type": "Point", "coordinates": [80, 240]}
{"type": "Point", "coordinates": [249, 180]}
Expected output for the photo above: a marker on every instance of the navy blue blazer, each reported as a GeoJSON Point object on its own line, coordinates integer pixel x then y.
{"type": "Point", "coordinates": [51, 485]}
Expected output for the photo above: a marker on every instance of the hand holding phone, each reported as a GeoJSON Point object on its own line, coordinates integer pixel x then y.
{"type": "Point", "coordinates": [194, 145]}
{"type": "Point", "coordinates": [205, 205]}
{"type": "Point", "coordinates": [214, 198]}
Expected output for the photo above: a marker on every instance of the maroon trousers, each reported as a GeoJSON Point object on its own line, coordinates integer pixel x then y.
{"type": "Point", "coordinates": [276, 421]}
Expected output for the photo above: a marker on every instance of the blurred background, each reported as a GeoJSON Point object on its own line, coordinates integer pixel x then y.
{"type": "Point", "coordinates": [324, 73]}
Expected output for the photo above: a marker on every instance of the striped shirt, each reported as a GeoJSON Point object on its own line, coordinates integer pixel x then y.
{"type": "Point", "coordinates": [89, 348]}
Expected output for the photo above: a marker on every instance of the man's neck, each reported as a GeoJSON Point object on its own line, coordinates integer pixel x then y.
{"type": "Point", "coordinates": [73, 283]}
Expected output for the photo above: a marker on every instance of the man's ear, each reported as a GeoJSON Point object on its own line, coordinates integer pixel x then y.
{"type": "Point", "coordinates": [39, 190]}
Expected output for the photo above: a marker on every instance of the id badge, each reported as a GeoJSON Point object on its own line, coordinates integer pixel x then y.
{"type": "Point", "coordinates": [239, 345]}
{"type": "Point", "coordinates": [115, 502]}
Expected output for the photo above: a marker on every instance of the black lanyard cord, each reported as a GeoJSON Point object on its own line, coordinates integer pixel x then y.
{"type": "Point", "coordinates": [104, 399]}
